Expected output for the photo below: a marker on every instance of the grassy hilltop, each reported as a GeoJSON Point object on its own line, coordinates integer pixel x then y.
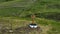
{"type": "Point", "coordinates": [47, 13]}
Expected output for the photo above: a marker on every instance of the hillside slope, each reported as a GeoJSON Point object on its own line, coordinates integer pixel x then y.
{"type": "Point", "coordinates": [22, 8]}
{"type": "Point", "coordinates": [16, 13]}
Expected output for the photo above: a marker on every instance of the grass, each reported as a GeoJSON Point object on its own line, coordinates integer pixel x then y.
{"type": "Point", "coordinates": [39, 6]}
{"type": "Point", "coordinates": [46, 10]}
